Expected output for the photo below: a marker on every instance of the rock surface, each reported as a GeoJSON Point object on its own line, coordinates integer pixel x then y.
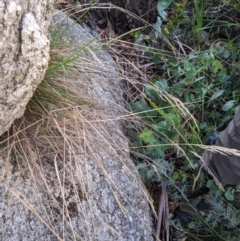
{"type": "Point", "coordinates": [24, 54]}
{"type": "Point", "coordinates": [94, 194]}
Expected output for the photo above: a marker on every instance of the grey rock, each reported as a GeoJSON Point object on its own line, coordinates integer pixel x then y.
{"type": "Point", "coordinates": [92, 191]}
{"type": "Point", "coordinates": [24, 54]}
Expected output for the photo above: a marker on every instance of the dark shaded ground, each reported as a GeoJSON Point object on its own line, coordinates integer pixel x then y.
{"type": "Point", "coordinates": [123, 15]}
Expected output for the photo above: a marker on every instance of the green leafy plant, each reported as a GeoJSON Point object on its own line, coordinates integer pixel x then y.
{"type": "Point", "coordinates": [158, 25]}
{"type": "Point", "coordinates": [190, 102]}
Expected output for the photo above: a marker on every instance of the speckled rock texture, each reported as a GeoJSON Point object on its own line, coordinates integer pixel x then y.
{"type": "Point", "coordinates": [24, 54]}
{"type": "Point", "coordinates": [89, 190]}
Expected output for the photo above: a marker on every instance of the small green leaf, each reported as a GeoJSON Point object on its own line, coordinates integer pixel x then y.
{"type": "Point", "coordinates": [203, 125]}
{"type": "Point", "coordinates": [179, 88]}
{"type": "Point", "coordinates": [237, 188]}
{"type": "Point", "coordinates": [170, 26]}
{"type": "Point", "coordinates": [190, 70]}
{"type": "Point", "coordinates": [156, 151]}
{"type": "Point", "coordinates": [157, 58]}
{"type": "Point", "coordinates": [142, 169]}
{"type": "Point", "coordinates": [227, 106]}
{"type": "Point", "coordinates": [137, 106]}
{"type": "Point", "coordinates": [175, 175]}
{"type": "Point", "coordinates": [147, 136]}
{"type": "Point", "coordinates": [165, 32]}
{"type": "Point", "coordinates": [190, 74]}
{"type": "Point", "coordinates": [210, 183]}
{"type": "Point", "coordinates": [229, 195]}
{"type": "Point", "coordinates": [146, 37]}
{"type": "Point", "coordinates": [162, 83]}
{"type": "Point", "coordinates": [164, 15]}
{"type": "Point", "coordinates": [226, 54]}
{"type": "Point", "coordinates": [216, 95]}
{"type": "Point", "coordinates": [164, 125]}
{"type": "Point", "coordinates": [184, 177]}
{"type": "Point", "coordinates": [157, 26]}
{"type": "Point", "coordinates": [217, 65]}
{"type": "Point", "coordinates": [162, 5]}
{"type": "Point", "coordinates": [217, 193]}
